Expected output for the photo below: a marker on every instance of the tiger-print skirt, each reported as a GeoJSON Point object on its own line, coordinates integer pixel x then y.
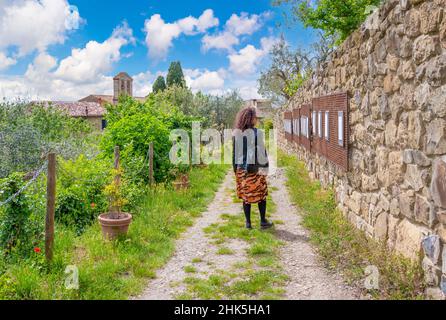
{"type": "Point", "coordinates": [251, 187]}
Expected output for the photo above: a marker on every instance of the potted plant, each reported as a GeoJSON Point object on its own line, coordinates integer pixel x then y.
{"type": "Point", "coordinates": [181, 173]}
{"type": "Point", "coordinates": [115, 222]}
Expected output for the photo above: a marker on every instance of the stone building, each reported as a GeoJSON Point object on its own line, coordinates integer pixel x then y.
{"type": "Point", "coordinates": [122, 85]}
{"type": "Point", "coordinates": [393, 184]}
{"type": "Point", "coordinates": [263, 106]}
{"type": "Point", "coordinates": [92, 107]}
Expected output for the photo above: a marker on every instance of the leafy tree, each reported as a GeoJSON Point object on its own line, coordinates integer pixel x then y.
{"type": "Point", "coordinates": [28, 131]}
{"type": "Point", "coordinates": [212, 111]}
{"type": "Point", "coordinates": [175, 75]}
{"type": "Point", "coordinates": [289, 69]}
{"type": "Point", "coordinates": [336, 18]}
{"type": "Point", "coordinates": [159, 84]}
{"type": "Point", "coordinates": [132, 125]}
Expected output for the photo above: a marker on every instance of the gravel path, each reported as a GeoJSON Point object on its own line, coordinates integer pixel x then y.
{"type": "Point", "coordinates": [308, 279]}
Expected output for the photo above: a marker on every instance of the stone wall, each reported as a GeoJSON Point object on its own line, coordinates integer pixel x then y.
{"type": "Point", "coordinates": [394, 70]}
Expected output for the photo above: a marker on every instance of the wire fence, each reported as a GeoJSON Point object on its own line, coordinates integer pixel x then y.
{"type": "Point", "coordinates": [26, 185]}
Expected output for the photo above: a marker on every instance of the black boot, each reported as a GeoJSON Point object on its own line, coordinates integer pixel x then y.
{"type": "Point", "coordinates": [247, 210]}
{"type": "Point", "coordinates": [264, 224]}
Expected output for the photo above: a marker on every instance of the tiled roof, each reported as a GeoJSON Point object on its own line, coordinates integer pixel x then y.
{"type": "Point", "coordinates": [107, 98]}
{"type": "Point", "coordinates": [98, 97]}
{"type": "Point", "coordinates": [122, 75]}
{"type": "Point", "coordinates": [78, 109]}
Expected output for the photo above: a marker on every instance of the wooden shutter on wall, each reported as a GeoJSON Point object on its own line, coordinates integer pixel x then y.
{"type": "Point", "coordinates": [305, 137]}
{"type": "Point", "coordinates": [288, 125]}
{"type": "Point", "coordinates": [336, 105]}
{"type": "Point", "coordinates": [296, 126]}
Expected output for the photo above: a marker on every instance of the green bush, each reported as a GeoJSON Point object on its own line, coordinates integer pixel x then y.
{"type": "Point", "coordinates": [80, 197]}
{"type": "Point", "coordinates": [18, 232]}
{"type": "Point", "coordinates": [132, 126]}
{"type": "Point", "coordinates": [28, 131]}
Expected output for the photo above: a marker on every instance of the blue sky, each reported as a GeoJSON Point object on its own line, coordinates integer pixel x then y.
{"type": "Point", "coordinates": [66, 49]}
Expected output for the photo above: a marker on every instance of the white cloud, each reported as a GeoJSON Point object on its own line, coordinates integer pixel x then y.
{"type": "Point", "coordinates": [5, 61]}
{"type": "Point", "coordinates": [76, 76]}
{"type": "Point", "coordinates": [247, 59]}
{"type": "Point", "coordinates": [236, 25]}
{"type": "Point", "coordinates": [204, 80]}
{"type": "Point", "coordinates": [160, 35]}
{"type": "Point", "coordinates": [89, 63]}
{"type": "Point", "coordinates": [30, 25]}
{"type": "Point", "coordinates": [244, 24]}
{"type": "Point", "coordinates": [191, 25]}
{"type": "Point", "coordinates": [224, 40]}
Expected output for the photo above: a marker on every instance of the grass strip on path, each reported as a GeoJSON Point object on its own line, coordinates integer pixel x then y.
{"type": "Point", "coordinates": [258, 277]}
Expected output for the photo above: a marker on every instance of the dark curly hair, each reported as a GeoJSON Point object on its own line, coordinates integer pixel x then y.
{"type": "Point", "coordinates": [246, 119]}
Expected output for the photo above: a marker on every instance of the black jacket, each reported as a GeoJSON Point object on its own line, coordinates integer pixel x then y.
{"type": "Point", "coordinates": [250, 153]}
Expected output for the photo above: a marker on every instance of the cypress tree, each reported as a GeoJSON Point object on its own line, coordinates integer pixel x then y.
{"type": "Point", "coordinates": [159, 84]}
{"type": "Point", "coordinates": [175, 75]}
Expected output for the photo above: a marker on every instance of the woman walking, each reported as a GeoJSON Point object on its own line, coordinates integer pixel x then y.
{"type": "Point", "coordinates": [250, 163]}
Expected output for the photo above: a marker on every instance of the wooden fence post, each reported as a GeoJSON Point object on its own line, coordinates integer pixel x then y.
{"type": "Point", "coordinates": [116, 166]}
{"type": "Point", "coordinates": [151, 178]}
{"type": "Point", "coordinates": [50, 207]}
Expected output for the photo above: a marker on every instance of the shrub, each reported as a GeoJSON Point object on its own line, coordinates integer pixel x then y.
{"type": "Point", "coordinates": [80, 197]}
{"type": "Point", "coordinates": [27, 131]}
{"type": "Point", "coordinates": [17, 230]}
{"type": "Point", "coordinates": [132, 126]}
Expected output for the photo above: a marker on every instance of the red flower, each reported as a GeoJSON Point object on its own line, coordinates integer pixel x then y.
{"type": "Point", "coordinates": [93, 205]}
{"type": "Point", "coordinates": [37, 250]}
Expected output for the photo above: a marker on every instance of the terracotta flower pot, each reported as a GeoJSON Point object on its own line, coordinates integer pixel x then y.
{"type": "Point", "coordinates": [182, 182]}
{"type": "Point", "coordinates": [112, 228]}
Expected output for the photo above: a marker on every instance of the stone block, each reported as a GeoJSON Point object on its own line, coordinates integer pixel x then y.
{"type": "Point", "coordinates": [431, 247]}
{"type": "Point", "coordinates": [424, 211]}
{"type": "Point", "coordinates": [414, 177]}
{"type": "Point", "coordinates": [412, 23]}
{"type": "Point", "coordinates": [438, 184]}
{"type": "Point", "coordinates": [390, 133]}
{"type": "Point", "coordinates": [430, 17]}
{"type": "Point", "coordinates": [407, 70]}
{"type": "Point", "coordinates": [369, 183]}
{"type": "Point", "coordinates": [425, 47]}
{"type": "Point", "coordinates": [436, 137]}
{"type": "Point", "coordinates": [422, 95]}
{"type": "Point", "coordinates": [407, 203]}
{"type": "Point", "coordinates": [415, 127]}
{"type": "Point", "coordinates": [441, 217]}
{"type": "Point", "coordinates": [437, 102]}
{"type": "Point", "coordinates": [432, 274]}
{"type": "Point", "coordinates": [434, 293]}
{"type": "Point", "coordinates": [435, 70]}
{"type": "Point", "coordinates": [408, 239]}
{"type": "Point", "coordinates": [354, 202]}
{"type": "Point", "coordinates": [394, 207]}
{"type": "Point", "coordinates": [380, 229]}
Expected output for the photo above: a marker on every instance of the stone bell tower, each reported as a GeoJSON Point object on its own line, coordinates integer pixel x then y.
{"type": "Point", "coordinates": [122, 85]}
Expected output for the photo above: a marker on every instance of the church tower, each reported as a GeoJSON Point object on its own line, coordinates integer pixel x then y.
{"type": "Point", "coordinates": [122, 85]}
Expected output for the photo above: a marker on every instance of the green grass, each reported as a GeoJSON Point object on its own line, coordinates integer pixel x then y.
{"type": "Point", "coordinates": [224, 251]}
{"type": "Point", "coordinates": [197, 260]}
{"type": "Point", "coordinates": [190, 269]}
{"type": "Point", "coordinates": [258, 277]}
{"type": "Point", "coordinates": [118, 269]}
{"type": "Point", "coordinates": [342, 246]}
